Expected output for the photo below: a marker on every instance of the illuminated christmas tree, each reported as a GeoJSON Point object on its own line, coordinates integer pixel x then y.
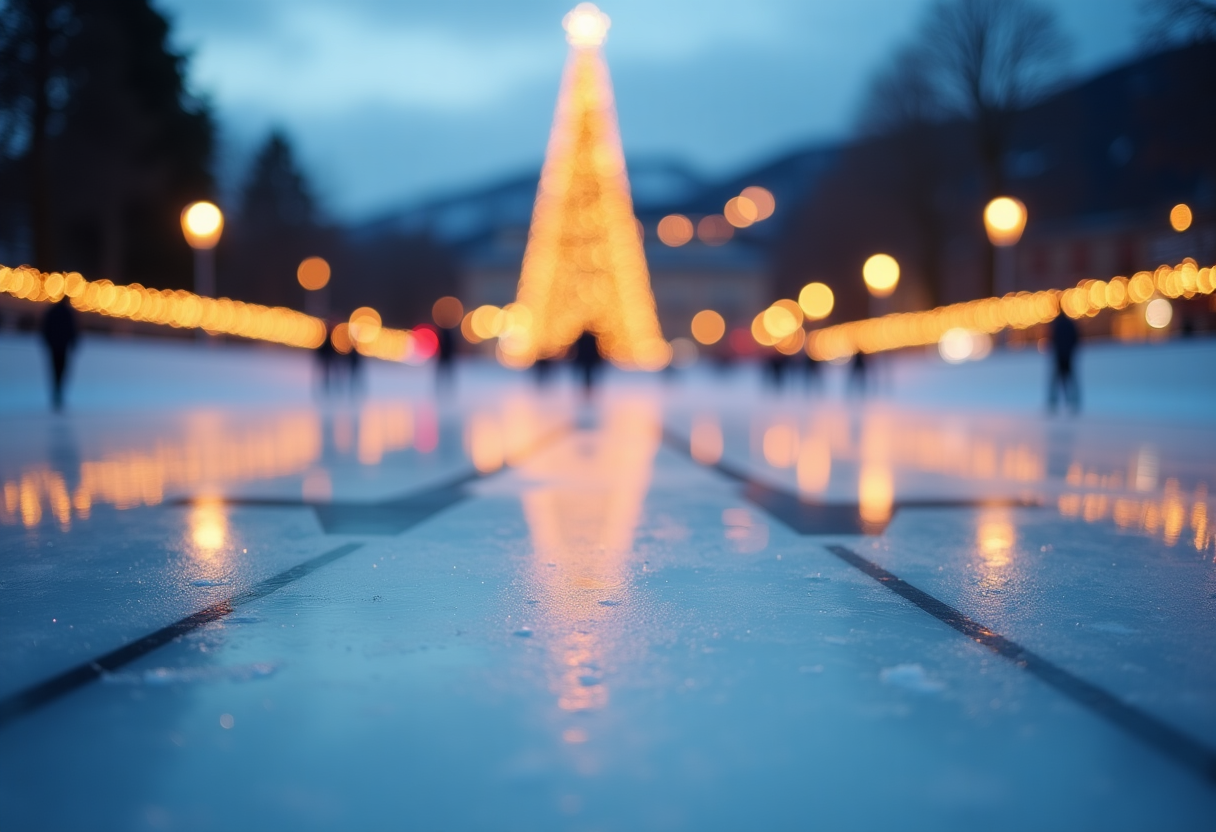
{"type": "Point", "coordinates": [584, 269]}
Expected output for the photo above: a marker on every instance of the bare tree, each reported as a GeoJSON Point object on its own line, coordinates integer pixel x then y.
{"type": "Point", "coordinates": [1186, 21]}
{"type": "Point", "coordinates": [987, 59]}
{"type": "Point", "coordinates": [903, 110]}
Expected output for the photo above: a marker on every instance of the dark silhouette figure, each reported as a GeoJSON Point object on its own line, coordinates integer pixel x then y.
{"type": "Point", "coordinates": [325, 355]}
{"type": "Point", "coordinates": [354, 367]}
{"type": "Point", "coordinates": [541, 369]}
{"type": "Point", "coordinates": [857, 373]}
{"type": "Point", "coordinates": [811, 372]}
{"type": "Point", "coordinates": [774, 369]}
{"type": "Point", "coordinates": [445, 360]}
{"type": "Point", "coordinates": [1064, 340]}
{"type": "Point", "coordinates": [59, 333]}
{"type": "Point", "coordinates": [587, 359]}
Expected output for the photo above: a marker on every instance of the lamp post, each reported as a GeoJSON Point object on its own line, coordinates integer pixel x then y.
{"type": "Point", "coordinates": [202, 224]}
{"type": "Point", "coordinates": [1005, 220]}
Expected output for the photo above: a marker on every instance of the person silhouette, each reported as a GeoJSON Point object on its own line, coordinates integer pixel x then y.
{"type": "Point", "coordinates": [325, 356]}
{"type": "Point", "coordinates": [445, 360]}
{"type": "Point", "coordinates": [1064, 340]}
{"type": "Point", "coordinates": [587, 359]}
{"type": "Point", "coordinates": [857, 373]}
{"type": "Point", "coordinates": [59, 335]}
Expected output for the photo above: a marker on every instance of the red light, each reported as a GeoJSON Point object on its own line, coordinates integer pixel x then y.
{"type": "Point", "coordinates": [742, 342]}
{"type": "Point", "coordinates": [426, 342]}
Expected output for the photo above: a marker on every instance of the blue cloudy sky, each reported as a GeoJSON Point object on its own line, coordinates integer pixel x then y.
{"type": "Point", "coordinates": [390, 101]}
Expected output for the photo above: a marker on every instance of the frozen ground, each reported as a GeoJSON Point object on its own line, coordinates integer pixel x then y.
{"type": "Point", "coordinates": [695, 604]}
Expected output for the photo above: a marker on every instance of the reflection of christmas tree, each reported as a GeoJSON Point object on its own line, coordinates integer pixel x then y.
{"type": "Point", "coordinates": [584, 269]}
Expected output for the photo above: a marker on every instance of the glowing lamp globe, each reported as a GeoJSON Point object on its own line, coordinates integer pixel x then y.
{"type": "Point", "coordinates": [1005, 220]}
{"type": "Point", "coordinates": [586, 25]}
{"type": "Point", "coordinates": [881, 274]}
{"type": "Point", "coordinates": [202, 223]}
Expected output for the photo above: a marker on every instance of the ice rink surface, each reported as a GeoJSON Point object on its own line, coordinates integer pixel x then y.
{"type": "Point", "coordinates": [694, 603]}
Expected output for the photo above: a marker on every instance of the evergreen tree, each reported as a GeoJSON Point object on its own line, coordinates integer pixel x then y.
{"type": "Point", "coordinates": [104, 146]}
{"type": "Point", "coordinates": [278, 226]}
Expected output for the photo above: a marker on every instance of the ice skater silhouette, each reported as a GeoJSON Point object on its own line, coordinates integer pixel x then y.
{"type": "Point", "coordinates": [59, 335]}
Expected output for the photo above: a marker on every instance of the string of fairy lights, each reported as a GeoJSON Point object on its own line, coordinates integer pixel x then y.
{"type": "Point", "coordinates": [780, 326]}
{"type": "Point", "coordinates": [219, 316]}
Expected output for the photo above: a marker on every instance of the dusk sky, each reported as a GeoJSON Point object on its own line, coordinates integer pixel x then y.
{"type": "Point", "coordinates": [389, 102]}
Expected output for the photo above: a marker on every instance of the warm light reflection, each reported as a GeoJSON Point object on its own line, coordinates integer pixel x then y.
{"type": "Point", "coordinates": [1173, 516]}
{"type": "Point", "coordinates": [210, 453]}
{"type": "Point", "coordinates": [483, 441]}
{"type": "Point", "coordinates": [814, 465]}
{"type": "Point", "coordinates": [780, 446]}
{"type": "Point", "coordinates": [705, 441]}
{"type": "Point", "coordinates": [995, 538]}
{"type": "Point", "coordinates": [208, 525]}
{"type": "Point", "coordinates": [582, 512]}
{"type": "Point", "coordinates": [875, 494]}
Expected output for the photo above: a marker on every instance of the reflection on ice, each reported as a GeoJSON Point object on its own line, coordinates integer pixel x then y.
{"type": "Point", "coordinates": [582, 515]}
{"type": "Point", "coordinates": [210, 453]}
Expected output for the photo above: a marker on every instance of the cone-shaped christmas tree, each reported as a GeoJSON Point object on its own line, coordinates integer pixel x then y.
{"type": "Point", "coordinates": [584, 268]}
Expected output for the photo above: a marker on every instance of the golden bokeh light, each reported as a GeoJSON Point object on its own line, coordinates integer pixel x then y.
{"type": "Point", "coordinates": [791, 344]}
{"type": "Point", "coordinates": [313, 273]}
{"type": "Point", "coordinates": [341, 339]}
{"type": "Point", "coordinates": [675, 230]}
{"type": "Point", "coordinates": [447, 312]}
{"type": "Point", "coordinates": [760, 332]}
{"type": "Point", "coordinates": [1005, 220]}
{"type": "Point", "coordinates": [202, 224]}
{"type": "Point", "coordinates": [763, 199]}
{"type": "Point", "coordinates": [816, 301]}
{"type": "Point", "coordinates": [364, 325]}
{"type": "Point", "coordinates": [1181, 217]}
{"type": "Point", "coordinates": [708, 327]}
{"type": "Point", "coordinates": [740, 212]}
{"type": "Point", "coordinates": [714, 230]}
{"type": "Point", "coordinates": [881, 274]}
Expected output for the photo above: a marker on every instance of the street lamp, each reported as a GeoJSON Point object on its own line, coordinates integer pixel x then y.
{"type": "Point", "coordinates": [881, 274]}
{"type": "Point", "coordinates": [202, 223]}
{"type": "Point", "coordinates": [1005, 220]}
